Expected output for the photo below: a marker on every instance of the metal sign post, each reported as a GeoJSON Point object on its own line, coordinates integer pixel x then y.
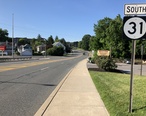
{"type": "Point", "coordinates": [141, 59]}
{"type": "Point", "coordinates": [131, 77]}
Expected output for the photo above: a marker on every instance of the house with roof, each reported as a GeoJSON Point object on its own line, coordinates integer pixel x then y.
{"type": "Point", "coordinates": [59, 44]}
{"type": "Point", "coordinates": [41, 48]}
{"type": "Point", "coordinates": [25, 50]}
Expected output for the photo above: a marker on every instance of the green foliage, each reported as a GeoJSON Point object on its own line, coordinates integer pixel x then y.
{"type": "Point", "coordinates": [3, 35]}
{"type": "Point", "coordinates": [74, 44]}
{"type": "Point", "coordinates": [50, 42]}
{"type": "Point", "coordinates": [85, 42]}
{"type": "Point", "coordinates": [100, 31]}
{"type": "Point", "coordinates": [80, 44]}
{"type": "Point", "coordinates": [17, 53]}
{"type": "Point", "coordinates": [23, 41]}
{"type": "Point", "coordinates": [68, 48]}
{"type": "Point", "coordinates": [37, 54]}
{"type": "Point", "coordinates": [39, 38]}
{"type": "Point", "coordinates": [55, 51]}
{"type": "Point", "coordinates": [33, 45]}
{"type": "Point", "coordinates": [106, 63]}
{"type": "Point", "coordinates": [108, 36]}
{"type": "Point", "coordinates": [114, 91]}
{"type": "Point", "coordinates": [56, 39]}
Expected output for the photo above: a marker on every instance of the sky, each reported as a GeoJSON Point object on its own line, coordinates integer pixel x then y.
{"type": "Point", "coordinates": [68, 19]}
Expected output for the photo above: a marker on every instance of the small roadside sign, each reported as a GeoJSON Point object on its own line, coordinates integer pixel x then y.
{"type": "Point", "coordinates": [135, 9]}
{"type": "Point", "coordinates": [103, 52]}
{"type": "Point", "coordinates": [2, 48]}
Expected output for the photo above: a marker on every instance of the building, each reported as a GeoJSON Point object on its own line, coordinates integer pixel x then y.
{"type": "Point", "coordinates": [41, 48]}
{"type": "Point", "coordinates": [59, 44]}
{"type": "Point", "coordinates": [8, 48]}
{"type": "Point", "coordinates": [25, 50]}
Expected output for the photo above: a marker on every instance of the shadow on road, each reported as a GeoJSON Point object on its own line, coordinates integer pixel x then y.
{"type": "Point", "coordinates": [27, 83]}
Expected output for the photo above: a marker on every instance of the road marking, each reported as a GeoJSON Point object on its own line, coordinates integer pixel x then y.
{"type": "Point", "coordinates": [29, 64]}
{"type": "Point", "coordinates": [45, 68]}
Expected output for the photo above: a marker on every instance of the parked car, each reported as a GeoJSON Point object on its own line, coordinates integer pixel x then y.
{"type": "Point", "coordinates": [127, 61]}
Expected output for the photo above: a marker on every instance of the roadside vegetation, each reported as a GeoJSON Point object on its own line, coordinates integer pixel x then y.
{"type": "Point", "coordinates": [55, 51]}
{"type": "Point", "coordinates": [114, 91]}
{"type": "Point", "coordinates": [108, 36]}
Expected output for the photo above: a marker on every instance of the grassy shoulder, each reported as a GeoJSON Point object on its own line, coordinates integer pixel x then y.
{"type": "Point", "coordinates": [114, 91]}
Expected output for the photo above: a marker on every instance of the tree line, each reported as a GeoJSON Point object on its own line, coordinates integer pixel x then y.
{"type": "Point", "coordinates": [34, 42]}
{"type": "Point", "coordinates": [109, 36]}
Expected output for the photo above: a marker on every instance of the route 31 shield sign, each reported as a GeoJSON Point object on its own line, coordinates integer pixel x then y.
{"type": "Point", "coordinates": [134, 27]}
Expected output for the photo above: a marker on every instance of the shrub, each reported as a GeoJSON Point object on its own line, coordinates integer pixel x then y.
{"type": "Point", "coordinates": [56, 51]}
{"type": "Point", "coordinates": [37, 54]}
{"type": "Point", "coordinates": [17, 53]}
{"type": "Point", "coordinates": [91, 60]}
{"type": "Point", "coordinates": [106, 63]}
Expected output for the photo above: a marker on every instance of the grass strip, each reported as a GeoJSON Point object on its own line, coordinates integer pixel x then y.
{"type": "Point", "coordinates": [114, 91]}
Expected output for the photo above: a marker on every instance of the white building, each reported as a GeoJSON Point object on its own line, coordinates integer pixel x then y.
{"type": "Point", "coordinates": [25, 50]}
{"type": "Point", "coordinates": [41, 48]}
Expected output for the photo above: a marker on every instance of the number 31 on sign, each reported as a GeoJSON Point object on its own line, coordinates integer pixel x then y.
{"type": "Point", "coordinates": [134, 27]}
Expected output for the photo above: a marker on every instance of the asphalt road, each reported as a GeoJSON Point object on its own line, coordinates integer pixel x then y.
{"type": "Point", "coordinates": [25, 85]}
{"type": "Point", "coordinates": [126, 68]}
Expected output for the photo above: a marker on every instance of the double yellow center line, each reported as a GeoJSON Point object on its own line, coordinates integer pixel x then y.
{"type": "Point", "coordinates": [29, 64]}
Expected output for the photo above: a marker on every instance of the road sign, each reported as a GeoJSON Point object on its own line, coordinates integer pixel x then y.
{"type": "Point", "coordinates": [135, 9]}
{"type": "Point", "coordinates": [134, 27]}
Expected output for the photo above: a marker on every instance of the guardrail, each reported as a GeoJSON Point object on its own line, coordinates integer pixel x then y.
{"type": "Point", "coordinates": [5, 59]}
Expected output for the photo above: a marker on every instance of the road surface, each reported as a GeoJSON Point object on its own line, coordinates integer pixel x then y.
{"type": "Point", "coordinates": [25, 85]}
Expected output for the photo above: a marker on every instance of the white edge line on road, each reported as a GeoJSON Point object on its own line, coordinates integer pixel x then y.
{"type": "Point", "coordinates": [44, 68]}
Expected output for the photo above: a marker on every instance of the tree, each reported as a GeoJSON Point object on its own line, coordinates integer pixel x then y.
{"type": "Point", "coordinates": [39, 38]}
{"type": "Point", "coordinates": [114, 37]}
{"type": "Point", "coordinates": [85, 41]}
{"type": "Point", "coordinates": [100, 32]}
{"type": "Point", "coordinates": [75, 44]}
{"type": "Point", "coordinates": [92, 43]}
{"type": "Point", "coordinates": [56, 39]}
{"type": "Point", "coordinates": [33, 44]}
{"type": "Point", "coordinates": [50, 42]}
{"type": "Point", "coordinates": [80, 44]}
{"type": "Point", "coordinates": [108, 36]}
{"type": "Point", "coordinates": [63, 41]}
{"type": "Point", "coordinates": [23, 41]}
{"type": "Point", "coordinates": [68, 48]}
{"type": "Point", "coordinates": [3, 35]}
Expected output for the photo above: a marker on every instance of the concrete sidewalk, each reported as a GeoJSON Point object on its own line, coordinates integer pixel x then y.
{"type": "Point", "coordinates": [76, 95]}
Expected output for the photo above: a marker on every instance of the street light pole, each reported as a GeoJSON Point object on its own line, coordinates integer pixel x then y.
{"type": "Point", "coordinates": [12, 35]}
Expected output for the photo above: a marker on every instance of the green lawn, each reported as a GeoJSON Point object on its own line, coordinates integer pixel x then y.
{"type": "Point", "coordinates": [114, 91]}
